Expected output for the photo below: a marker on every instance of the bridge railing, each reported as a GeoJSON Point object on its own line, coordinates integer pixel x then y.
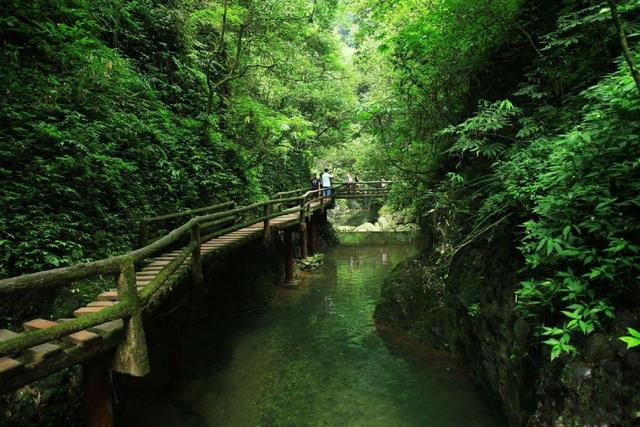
{"type": "Point", "coordinates": [145, 223]}
{"type": "Point", "coordinates": [130, 303]}
{"type": "Point", "coordinates": [364, 189]}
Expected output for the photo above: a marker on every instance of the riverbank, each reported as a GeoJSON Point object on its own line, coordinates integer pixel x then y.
{"type": "Point", "coordinates": [464, 304]}
{"type": "Point", "coordinates": [353, 217]}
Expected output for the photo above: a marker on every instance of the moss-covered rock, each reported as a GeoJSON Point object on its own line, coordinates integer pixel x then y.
{"type": "Point", "coordinates": [466, 304]}
{"type": "Point", "coordinates": [420, 311]}
{"type": "Point", "coordinates": [311, 263]}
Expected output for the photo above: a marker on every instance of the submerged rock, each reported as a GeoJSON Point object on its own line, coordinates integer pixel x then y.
{"type": "Point", "coordinates": [312, 263]}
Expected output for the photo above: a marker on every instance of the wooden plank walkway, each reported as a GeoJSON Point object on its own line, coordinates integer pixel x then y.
{"type": "Point", "coordinates": [44, 359]}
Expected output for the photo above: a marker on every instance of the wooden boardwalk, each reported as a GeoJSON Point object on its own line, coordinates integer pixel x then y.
{"type": "Point", "coordinates": [21, 367]}
{"type": "Point", "coordinates": [146, 278]}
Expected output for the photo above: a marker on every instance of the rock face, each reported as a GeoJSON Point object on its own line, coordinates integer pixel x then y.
{"type": "Point", "coordinates": [384, 223]}
{"type": "Point", "coordinates": [388, 222]}
{"type": "Point", "coordinates": [466, 305]}
{"type": "Point", "coordinates": [366, 227]}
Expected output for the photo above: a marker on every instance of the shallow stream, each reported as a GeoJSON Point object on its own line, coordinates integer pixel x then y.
{"type": "Point", "coordinates": [316, 359]}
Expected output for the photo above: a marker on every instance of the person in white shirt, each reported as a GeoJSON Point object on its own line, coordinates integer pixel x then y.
{"type": "Point", "coordinates": [326, 182]}
{"type": "Point", "coordinates": [350, 185]}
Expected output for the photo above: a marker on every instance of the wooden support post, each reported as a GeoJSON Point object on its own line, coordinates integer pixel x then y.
{"type": "Point", "coordinates": [266, 231]}
{"type": "Point", "coordinates": [303, 210]}
{"type": "Point", "coordinates": [196, 257]}
{"type": "Point", "coordinates": [288, 256]}
{"type": "Point", "coordinates": [313, 224]}
{"type": "Point", "coordinates": [97, 393]}
{"type": "Point", "coordinates": [131, 356]}
{"type": "Point", "coordinates": [304, 240]}
{"type": "Point", "coordinates": [324, 217]}
{"type": "Point", "coordinates": [143, 233]}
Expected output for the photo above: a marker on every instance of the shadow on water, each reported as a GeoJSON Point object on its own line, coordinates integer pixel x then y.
{"type": "Point", "coordinates": [316, 359]}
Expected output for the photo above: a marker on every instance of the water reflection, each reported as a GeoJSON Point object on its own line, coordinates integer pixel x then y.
{"type": "Point", "coordinates": [316, 359]}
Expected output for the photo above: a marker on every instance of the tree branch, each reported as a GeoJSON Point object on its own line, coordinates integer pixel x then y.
{"type": "Point", "coordinates": [628, 55]}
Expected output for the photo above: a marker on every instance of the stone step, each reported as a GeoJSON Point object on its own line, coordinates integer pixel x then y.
{"type": "Point", "coordinates": [38, 324]}
{"type": "Point", "coordinates": [83, 338]}
{"type": "Point", "coordinates": [9, 367]}
{"type": "Point", "coordinates": [152, 267]}
{"type": "Point", "coordinates": [108, 296]}
{"type": "Point", "coordinates": [41, 352]}
{"type": "Point", "coordinates": [106, 328]}
{"type": "Point", "coordinates": [102, 303]}
{"type": "Point", "coordinates": [87, 310]}
{"type": "Point", "coordinates": [147, 274]}
{"type": "Point", "coordinates": [6, 334]}
{"type": "Point", "coordinates": [159, 263]}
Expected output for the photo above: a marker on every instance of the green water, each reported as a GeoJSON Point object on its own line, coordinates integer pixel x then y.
{"type": "Point", "coordinates": [315, 359]}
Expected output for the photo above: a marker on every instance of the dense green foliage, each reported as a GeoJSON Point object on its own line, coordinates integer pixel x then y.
{"type": "Point", "coordinates": [492, 115]}
{"type": "Point", "coordinates": [113, 110]}
{"type": "Point", "coordinates": [527, 110]}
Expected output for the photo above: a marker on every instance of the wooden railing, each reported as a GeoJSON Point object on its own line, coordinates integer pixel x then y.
{"type": "Point", "coordinates": [143, 230]}
{"type": "Point", "coordinates": [366, 189]}
{"type": "Point", "coordinates": [131, 303]}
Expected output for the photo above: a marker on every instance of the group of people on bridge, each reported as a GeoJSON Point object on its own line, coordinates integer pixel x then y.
{"type": "Point", "coordinates": [325, 182]}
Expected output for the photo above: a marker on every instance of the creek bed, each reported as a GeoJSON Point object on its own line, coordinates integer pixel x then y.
{"type": "Point", "coordinates": [316, 359]}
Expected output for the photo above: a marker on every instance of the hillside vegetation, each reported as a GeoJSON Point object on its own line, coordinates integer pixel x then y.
{"type": "Point", "coordinates": [511, 127]}
{"type": "Point", "coordinates": [114, 110]}
{"type": "Point", "coordinates": [514, 126]}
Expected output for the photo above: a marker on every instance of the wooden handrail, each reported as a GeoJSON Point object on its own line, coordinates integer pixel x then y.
{"type": "Point", "coordinates": [286, 193]}
{"type": "Point", "coordinates": [152, 287]}
{"type": "Point", "coordinates": [112, 265]}
{"type": "Point", "coordinates": [30, 339]}
{"type": "Point", "coordinates": [189, 212]}
{"type": "Point", "coordinates": [143, 227]}
{"type": "Point", "coordinates": [366, 182]}
{"type": "Point", "coordinates": [128, 306]}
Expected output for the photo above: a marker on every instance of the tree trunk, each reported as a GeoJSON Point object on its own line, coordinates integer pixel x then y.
{"type": "Point", "coordinates": [628, 55]}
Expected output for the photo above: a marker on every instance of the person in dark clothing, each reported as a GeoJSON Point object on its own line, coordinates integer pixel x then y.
{"type": "Point", "coordinates": [315, 182]}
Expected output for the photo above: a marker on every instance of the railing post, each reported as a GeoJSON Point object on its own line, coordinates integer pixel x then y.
{"type": "Point", "coordinates": [313, 224]}
{"type": "Point", "coordinates": [196, 257]}
{"type": "Point", "coordinates": [304, 240]}
{"type": "Point", "coordinates": [303, 206]}
{"type": "Point", "coordinates": [97, 392]}
{"type": "Point", "coordinates": [266, 230]}
{"type": "Point", "coordinates": [143, 233]}
{"type": "Point", "coordinates": [131, 356]}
